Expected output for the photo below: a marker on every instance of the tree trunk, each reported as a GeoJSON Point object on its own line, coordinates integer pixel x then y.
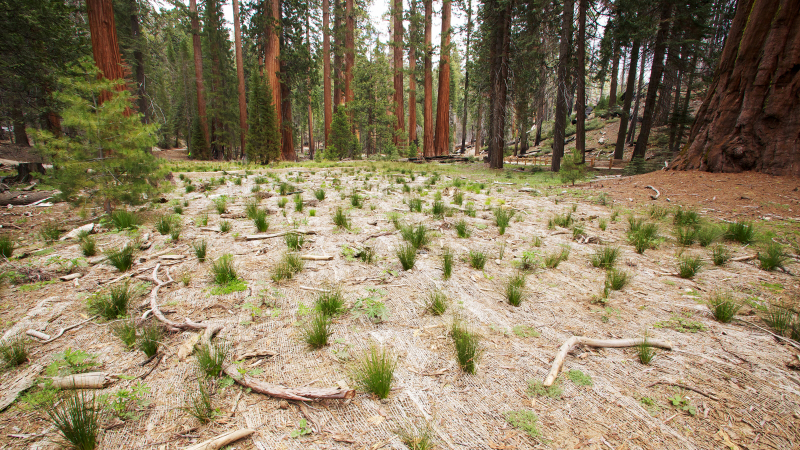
{"type": "Point", "coordinates": [559, 127]}
{"type": "Point", "coordinates": [635, 113]}
{"type": "Point", "coordinates": [539, 119]}
{"type": "Point", "coordinates": [198, 74]}
{"type": "Point", "coordinates": [612, 96]}
{"type": "Point", "coordinates": [326, 64]}
{"type": "Point", "coordinates": [412, 78]}
{"type": "Point", "coordinates": [18, 120]}
{"type": "Point", "coordinates": [580, 127]}
{"type": "Point", "coordinates": [337, 54]}
{"type": "Point", "coordinates": [427, 133]}
{"type": "Point", "coordinates": [287, 141]}
{"type": "Point", "coordinates": [656, 71]}
{"type": "Point", "coordinates": [751, 115]}
{"type": "Point", "coordinates": [619, 150]}
{"type": "Point", "coordinates": [308, 84]}
{"type": "Point", "coordinates": [676, 108]}
{"type": "Point", "coordinates": [104, 42]}
{"type": "Point", "coordinates": [272, 58]}
{"type": "Point", "coordinates": [478, 125]}
{"type": "Point", "coordinates": [399, 127]}
{"type": "Point", "coordinates": [349, 55]}
{"type": "Point", "coordinates": [664, 103]}
{"type": "Point", "coordinates": [466, 80]}
{"type": "Point", "coordinates": [237, 32]}
{"type": "Point", "coordinates": [684, 114]}
{"type": "Point", "coordinates": [442, 137]}
{"type": "Point", "coordinates": [498, 80]}
{"type": "Point", "coordinates": [138, 58]}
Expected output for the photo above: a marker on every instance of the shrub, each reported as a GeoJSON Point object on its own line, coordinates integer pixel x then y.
{"type": "Point", "coordinates": [340, 219]}
{"type": "Point", "coordinates": [477, 259]}
{"type": "Point", "coordinates": [447, 263]}
{"type": "Point", "coordinates": [436, 302]}
{"type": "Point", "coordinates": [211, 358]}
{"type": "Point", "coordinates": [14, 351]}
{"type": "Point", "coordinates": [150, 339]}
{"type": "Point", "coordinates": [114, 305]}
{"type": "Point", "coordinates": [742, 232]}
{"type": "Point", "coordinates": [316, 330]}
{"type": "Point", "coordinates": [723, 307]}
{"type": "Point", "coordinates": [689, 266]}
{"type": "Point", "coordinates": [605, 257]}
{"type": "Point", "coordinates": [6, 246]}
{"type": "Point", "coordinates": [122, 259]}
{"type": "Point", "coordinates": [466, 344]}
{"type": "Point", "coordinates": [331, 302]}
{"type": "Point", "coordinates": [407, 254]}
{"type": "Point", "coordinates": [76, 418]}
{"type": "Point", "coordinates": [375, 371]}
{"type": "Point", "coordinates": [773, 257]}
{"type": "Point", "coordinates": [124, 220]}
{"type": "Point", "coordinates": [200, 249]}
{"type": "Point", "coordinates": [222, 270]}
{"type": "Point", "coordinates": [514, 289]}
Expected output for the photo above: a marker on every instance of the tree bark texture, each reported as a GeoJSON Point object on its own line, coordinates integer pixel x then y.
{"type": "Point", "coordinates": [559, 126]}
{"type": "Point", "coordinates": [750, 118]}
{"type": "Point", "coordinates": [138, 58]}
{"type": "Point", "coordinates": [427, 133]}
{"type": "Point", "coordinates": [272, 57]}
{"type": "Point", "coordinates": [349, 53]}
{"type": "Point", "coordinates": [338, 96]}
{"type": "Point", "coordinates": [412, 77]}
{"type": "Point", "coordinates": [466, 81]}
{"type": "Point", "coordinates": [479, 125]}
{"type": "Point", "coordinates": [635, 112]}
{"type": "Point", "coordinates": [619, 150]}
{"type": "Point", "coordinates": [326, 64]}
{"type": "Point", "coordinates": [612, 96]}
{"type": "Point", "coordinates": [656, 71]}
{"type": "Point", "coordinates": [580, 127]}
{"type": "Point", "coordinates": [498, 80]}
{"type": "Point", "coordinates": [442, 137]}
{"type": "Point", "coordinates": [685, 106]}
{"type": "Point", "coordinates": [308, 85]}
{"type": "Point", "coordinates": [198, 72]}
{"type": "Point", "coordinates": [105, 47]}
{"type": "Point", "coordinates": [397, 42]}
{"type": "Point", "coordinates": [237, 32]}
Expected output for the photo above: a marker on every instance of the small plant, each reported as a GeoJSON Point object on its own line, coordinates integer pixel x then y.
{"type": "Point", "coordinates": [529, 261]}
{"type": "Point", "coordinates": [224, 226]}
{"type": "Point", "coordinates": [221, 204]}
{"type": "Point", "coordinates": [616, 279]}
{"type": "Point", "coordinates": [526, 421]}
{"type": "Point", "coordinates": [124, 220]}
{"type": "Point", "coordinates": [340, 219]}
{"type": "Point", "coordinates": [49, 231]}
{"type": "Point", "coordinates": [579, 378]}
{"type": "Point", "coordinates": [375, 371]}
{"type": "Point", "coordinates": [123, 402]}
{"type": "Point", "coordinates": [316, 330]}
{"type": "Point", "coordinates": [88, 244]}
{"type": "Point", "coordinates": [643, 236]}
{"type": "Point", "coordinates": [437, 302]}
{"type": "Point", "coordinates": [312, 212]}
{"type": "Point", "coordinates": [415, 204]}
{"type": "Point", "coordinates": [125, 330]}
{"type": "Point", "coordinates": [502, 217]}
{"type": "Point", "coordinates": [658, 212]}
{"type": "Point", "coordinates": [331, 302]}
{"type": "Point", "coordinates": [683, 404]}
{"type": "Point", "coordinates": [287, 267]}
{"type": "Point", "coordinates": [417, 439]}
{"type": "Point", "coordinates": [602, 223]}
{"type": "Point", "coordinates": [477, 259]}
{"type": "Point", "coordinates": [563, 221]}
{"type": "Point", "coordinates": [356, 200]}
{"type": "Point", "coordinates": [260, 220]}
{"type": "Point", "coordinates": [200, 249]}
{"type": "Point", "coordinates": [285, 188]}
{"type": "Point", "coordinates": [417, 237]}
{"type": "Point", "coordinates": [685, 235]}
{"type": "Point", "coordinates": [741, 232]}
{"type": "Point", "coordinates": [645, 351]}
{"type": "Point", "coordinates": [113, 305]}
{"type": "Point", "coordinates": [407, 254]}
{"type": "Point", "coordinates": [211, 358]}
{"type": "Point", "coordinates": [689, 266]}
{"type": "Point", "coordinates": [6, 246]}
{"type": "Point", "coordinates": [222, 270]}
{"type": "Point", "coordinates": [537, 389]}
{"type": "Point", "coordinates": [438, 209]}
{"type": "Point", "coordinates": [469, 210]}
{"type": "Point", "coordinates": [458, 198]}
{"type": "Point", "coordinates": [175, 232]}
{"type": "Point", "coordinates": [319, 194]}
{"type": "Point", "coordinates": [723, 307]}
{"type": "Point", "coordinates": [773, 257]}
{"type": "Point", "coordinates": [14, 351]}
{"type": "Point", "coordinates": [122, 259]}
{"type": "Point", "coordinates": [553, 259]}
{"type": "Point", "coordinates": [298, 202]}
{"type": "Point", "coordinates": [282, 202]}
{"type": "Point", "coordinates": [681, 324]}
{"type": "Point", "coordinates": [778, 317]}
{"type": "Point", "coordinates": [686, 217]}
{"type": "Point", "coordinates": [605, 257]}
{"type": "Point", "coordinates": [201, 221]}
{"type": "Point", "coordinates": [302, 429]}
{"type": "Point", "coordinates": [462, 230]}
{"type": "Point", "coordinates": [150, 339]}
{"type": "Point", "coordinates": [466, 344]}
{"type": "Point", "coordinates": [707, 235]}
{"type": "Point", "coordinates": [200, 406]}
{"type": "Point", "coordinates": [77, 420]}
{"type": "Point", "coordinates": [164, 224]}
{"type": "Point", "coordinates": [71, 362]}
{"type": "Point", "coordinates": [447, 263]}
{"type": "Point", "coordinates": [190, 188]}
{"type": "Point", "coordinates": [515, 287]}
{"type": "Point", "coordinates": [294, 241]}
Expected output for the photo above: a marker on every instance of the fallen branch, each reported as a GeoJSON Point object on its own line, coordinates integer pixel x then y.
{"type": "Point", "coordinates": [146, 374]}
{"type": "Point", "coordinates": [173, 326]}
{"type": "Point", "coordinates": [384, 233]}
{"type": "Point", "coordinates": [778, 336]}
{"type": "Point", "coordinates": [37, 334]}
{"type": "Point", "coordinates": [222, 440]}
{"type": "Point", "coordinates": [658, 194]}
{"type": "Point", "coordinates": [316, 257]}
{"type": "Point", "coordinates": [257, 237]}
{"type": "Point", "coordinates": [22, 383]}
{"type": "Point", "coordinates": [574, 341]}
{"type": "Point", "coordinates": [683, 386]}
{"type": "Point", "coordinates": [744, 258]}
{"type": "Point", "coordinates": [90, 380]}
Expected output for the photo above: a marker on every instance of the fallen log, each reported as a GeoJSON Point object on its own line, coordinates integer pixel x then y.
{"type": "Point", "coordinates": [654, 197]}
{"type": "Point", "coordinates": [574, 341]}
{"type": "Point", "coordinates": [317, 257]}
{"type": "Point", "coordinates": [257, 237]}
{"type": "Point", "coordinates": [90, 380]}
{"type": "Point", "coordinates": [222, 440]}
{"type": "Point", "coordinates": [21, 198]}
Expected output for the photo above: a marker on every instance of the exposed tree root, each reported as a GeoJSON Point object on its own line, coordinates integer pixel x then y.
{"type": "Point", "coordinates": [222, 440]}
{"type": "Point", "coordinates": [37, 334]}
{"type": "Point", "coordinates": [683, 386]}
{"type": "Point", "coordinates": [171, 325]}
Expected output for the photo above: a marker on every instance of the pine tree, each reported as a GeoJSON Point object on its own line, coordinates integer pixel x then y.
{"type": "Point", "coordinates": [198, 147]}
{"type": "Point", "coordinates": [263, 142]}
{"type": "Point", "coordinates": [341, 138]}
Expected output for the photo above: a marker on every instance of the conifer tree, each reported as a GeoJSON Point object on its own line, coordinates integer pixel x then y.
{"type": "Point", "coordinates": [263, 142]}
{"type": "Point", "coordinates": [341, 138]}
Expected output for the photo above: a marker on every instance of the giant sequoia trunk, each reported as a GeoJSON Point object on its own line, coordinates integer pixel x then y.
{"type": "Point", "coordinates": [198, 75]}
{"type": "Point", "coordinates": [466, 81]}
{"type": "Point", "coordinates": [104, 42]}
{"type": "Point", "coordinates": [442, 137]}
{"type": "Point", "coordinates": [427, 133]}
{"type": "Point", "coordinates": [272, 55]}
{"type": "Point", "coordinates": [412, 78]}
{"type": "Point", "coordinates": [750, 119]}
{"type": "Point", "coordinates": [237, 35]}
{"type": "Point", "coordinates": [399, 127]}
{"type": "Point", "coordinates": [326, 64]}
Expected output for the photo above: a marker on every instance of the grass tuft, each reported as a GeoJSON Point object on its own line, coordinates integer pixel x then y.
{"type": "Point", "coordinates": [741, 232]}
{"type": "Point", "coordinates": [685, 235]}
{"type": "Point", "coordinates": [553, 259]}
{"type": "Point", "coordinates": [340, 219]}
{"type": "Point", "coordinates": [331, 302]}
{"type": "Point", "coordinates": [617, 279]}
{"type": "Point", "coordinates": [294, 241]}
{"type": "Point", "coordinates": [689, 266]}
{"type": "Point", "coordinates": [88, 244]}
{"type": "Point", "coordinates": [200, 406]}
{"type": "Point", "coordinates": [200, 249]}
{"type": "Point", "coordinates": [477, 259]}
{"type": "Point", "coordinates": [515, 289]}
{"type": "Point", "coordinates": [773, 257]}
{"type": "Point", "coordinates": [317, 329]}
{"type": "Point", "coordinates": [77, 418]}
{"type": "Point", "coordinates": [723, 307]}
{"type": "Point", "coordinates": [437, 302]}
{"type": "Point", "coordinates": [466, 343]}
{"type": "Point", "coordinates": [502, 218]}
{"type": "Point", "coordinates": [720, 255]}
{"type": "Point", "coordinates": [707, 235]}
{"type": "Point", "coordinates": [407, 254]}
{"type": "Point", "coordinates": [113, 305]}
{"type": "Point", "coordinates": [645, 352]}
{"type": "Point", "coordinates": [210, 358]}
{"type": "Point", "coordinates": [124, 220]}
{"type": "Point", "coordinates": [462, 230]}
{"type": "Point", "coordinates": [150, 339]}
{"type": "Point", "coordinates": [447, 262]}
{"type": "Point", "coordinates": [222, 270]}
{"type": "Point", "coordinates": [319, 194]}
{"type": "Point", "coordinates": [122, 259]}
{"type": "Point", "coordinates": [417, 237]}
{"type": "Point", "coordinates": [260, 220]}
{"type": "Point", "coordinates": [375, 371]}
{"type": "Point", "coordinates": [287, 267]}
{"type": "Point", "coordinates": [6, 246]}
{"type": "Point", "coordinates": [14, 351]}
{"type": "Point", "coordinates": [125, 330]}
{"type": "Point", "coordinates": [605, 257]}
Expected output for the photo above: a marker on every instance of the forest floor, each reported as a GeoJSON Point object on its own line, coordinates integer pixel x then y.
{"type": "Point", "coordinates": [746, 388]}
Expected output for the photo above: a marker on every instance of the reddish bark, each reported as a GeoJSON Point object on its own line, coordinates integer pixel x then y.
{"type": "Point", "coordinates": [580, 127]}
{"type": "Point", "coordinates": [466, 81]}
{"type": "Point", "coordinates": [105, 47]}
{"type": "Point", "coordinates": [272, 56]}
{"type": "Point", "coordinates": [237, 32]}
{"type": "Point", "coordinates": [412, 77]}
{"type": "Point", "coordinates": [399, 128]}
{"type": "Point", "coordinates": [198, 72]}
{"type": "Point", "coordinates": [441, 142]}
{"type": "Point", "coordinates": [326, 64]}
{"type": "Point", "coordinates": [626, 108]}
{"type": "Point", "coordinates": [338, 96]}
{"type": "Point", "coordinates": [427, 137]}
{"type": "Point", "coordinates": [750, 118]}
{"type": "Point", "coordinates": [349, 55]}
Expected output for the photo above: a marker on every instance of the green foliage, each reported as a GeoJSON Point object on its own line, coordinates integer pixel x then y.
{"type": "Point", "coordinates": [579, 378]}
{"type": "Point", "coordinates": [645, 351]}
{"type": "Point", "coordinates": [407, 254]}
{"type": "Point", "coordinates": [563, 221]}
{"type": "Point", "coordinates": [685, 235]}
{"type": "Point", "coordinates": [263, 139]}
{"type": "Point", "coordinates": [688, 266]}
{"type": "Point", "coordinates": [553, 259]}
{"type": "Point", "coordinates": [418, 237]}
{"type": "Point", "coordinates": [372, 306]}
{"type": "Point", "coordinates": [107, 155]}
{"type": "Point", "coordinates": [502, 217]}
{"type": "Point", "coordinates": [515, 288]}
{"type": "Point", "coordinates": [605, 257]}
{"type": "Point", "coordinates": [458, 198]}
{"type": "Point", "coordinates": [340, 219]}
{"type": "Point", "coordinates": [720, 255]}
{"type": "Point", "coordinates": [436, 302]}
{"type": "Point", "coordinates": [198, 146]}
{"type": "Point", "coordinates": [683, 404]}
{"type": "Point", "coordinates": [6, 246]}
{"type": "Point", "coordinates": [317, 329]}
{"type": "Point", "coordinates": [112, 305]}
{"type": "Point", "coordinates": [741, 232]}
{"type": "Point", "coordinates": [260, 220]}
{"type": "Point", "coordinates": [70, 362]}
{"type": "Point", "coordinates": [14, 351]}
{"type": "Point", "coordinates": [374, 372]}
{"type": "Point", "coordinates": [211, 358]}
{"type": "Point", "coordinates": [125, 330]}
{"type": "Point", "coordinates": [417, 439]}
{"type": "Point", "coordinates": [298, 202]}
{"type": "Point", "coordinates": [200, 249]}
{"type": "Point", "coordinates": [526, 421]}
{"type": "Point", "coordinates": [199, 405]}
{"type": "Point", "coordinates": [88, 244]}
{"type": "Point", "coordinates": [49, 231]}
{"type": "Point", "coordinates": [294, 241]}
{"type": "Point", "coordinates": [225, 226]}
{"type": "Point", "coordinates": [319, 194]}
{"type": "Point", "coordinates": [616, 279]}
{"type": "Point", "coordinates": [686, 217]}
{"type": "Point", "coordinates": [778, 317]}
{"type": "Point", "coordinates": [222, 270]}
{"type": "Point", "coordinates": [602, 223]}
{"type": "Point", "coordinates": [302, 429]}
{"type": "Point", "coordinates": [415, 204]}
{"type": "Point", "coordinates": [773, 257]}
{"type": "Point", "coordinates": [681, 324]}
{"type": "Point", "coordinates": [571, 168]}
{"type": "Point", "coordinates": [466, 343]}
{"type": "Point", "coordinates": [708, 234]}
{"type": "Point", "coordinates": [165, 223]}
{"type": "Point", "coordinates": [150, 339]}
{"type": "Point", "coordinates": [438, 208]}
{"type": "Point", "coordinates": [643, 236]}
{"type": "Point", "coordinates": [125, 220]}
{"type": "Point", "coordinates": [342, 142]}
{"type": "Point", "coordinates": [331, 302]}
{"type": "Point", "coordinates": [122, 259]}
{"type": "Point", "coordinates": [221, 204]}
{"type": "Point", "coordinates": [447, 262]}
{"type": "Point", "coordinates": [723, 307]}
{"type": "Point", "coordinates": [537, 389]}
{"type": "Point", "coordinates": [658, 212]}
{"type": "Point", "coordinates": [123, 402]}
{"type": "Point", "coordinates": [289, 265]}
{"type": "Point", "coordinates": [77, 419]}
{"type": "Point", "coordinates": [477, 259]}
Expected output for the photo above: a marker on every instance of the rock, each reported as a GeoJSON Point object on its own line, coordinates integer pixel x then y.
{"type": "Point", "coordinates": [71, 276]}
{"type": "Point", "coordinates": [89, 227]}
{"type": "Point", "coordinates": [601, 141]}
{"type": "Point", "coordinates": [96, 260]}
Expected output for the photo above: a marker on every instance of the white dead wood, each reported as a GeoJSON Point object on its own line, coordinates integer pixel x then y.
{"type": "Point", "coordinates": [257, 237]}
{"type": "Point", "coordinates": [744, 258]}
{"type": "Point", "coordinates": [24, 381]}
{"type": "Point", "coordinates": [90, 380]}
{"type": "Point", "coordinates": [222, 440]}
{"type": "Point", "coordinates": [574, 341]}
{"type": "Point", "coordinates": [37, 334]}
{"type": "Point", "coordinates": [317, 257]}
{"type": "Point", "coordinates": [171, 325]}
{"type": "Point", "coordinates": [658, 194]}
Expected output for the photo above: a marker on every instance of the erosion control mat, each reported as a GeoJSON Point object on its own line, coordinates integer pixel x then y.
{"type": "Point", "coordinates": [747, 397]}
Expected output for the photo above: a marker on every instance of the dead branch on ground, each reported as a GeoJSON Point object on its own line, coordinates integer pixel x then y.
{"type": "Point", "coordinates": [171, 325]}
{"type": "Point", "coordinates": [658, 194]}
{"type": "Point", "coordinates": [683, 386]}
{"type": "Point", "coordinates": [222, 440]}
{"type": "Point", "coordinates": [256, 237]}
{"type": "Point", "coordinates": [38, 334]}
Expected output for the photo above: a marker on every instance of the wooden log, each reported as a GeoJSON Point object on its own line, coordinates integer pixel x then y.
{"type": "Point", "coordinates": [257, 237]}
{"type": "Point", "coordinates": [222, 440]}
{"type": "Point", "coordinates": [90, 380]}
{"type": "Point", "coordinates": [570, 343]}
{"type": "Point", "coordinates": [21, 198]}
{"type": "Point", "coordinates": [316, 257]}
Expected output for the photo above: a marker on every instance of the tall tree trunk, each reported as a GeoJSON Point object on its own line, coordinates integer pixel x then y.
{"type": "Point", "coordinates": [656, 71]}
{"type": "Point", "coordinates": [661, 116]}
{"type": "Point", "coordinates": [138, 58]}
{"type": "Point", "coordinates": [684, 114]}
{"type": "Point", "coordinates": [198, 74]}
{"type": "Point", "coordinates": [559, 126]}
{"type": "Point", "coordinates": [18, 120]}
{"type": "Point", "coordinates": [412, 77]}
{"type": "Point", "coordinates": [349, 55]}
{"type": "Point", "coordinates": [539, 120]}
{"type": "Point", "coordinates": [612, 96]}
{"type": "Point", "coordinates": [635, 113]}
{"type": "Point", "coordinates": [580, 127]}
{"type": "Point", "coordinates": [619, 150]}
{"type": "Point", "coordinates": [104, 42]}
{"type": "Point", "coordinates": [427, 138]}
{"type": "Point", "coordinates": [308, 84]}
{"type": "Point", "coordinates": [498, 80]}
{"type": "Point", "coordinates": [217, 82]}
{"type": "Point", "coordinates": [478, 125]}
{"type": "Point", "coordinates": [338, 96]}
{"type": "Point", "coordinates": [466, 80]}
{"type": "Point", "coordinates": [326, 65]}
{"type": "Point", "coordinates": [285, 121]}
{"type": "Point", "coordinates": [442, 137]}
{"type": "Point", "coordinates": [676, 107]}
{"type": "Point", "coordinates": [750, 117]}
{"type": "Point", "coordinates": [397, 42]}
{"type": "Point", "coordinates": [272, 61]}
{"type": "Point", "coordinates": [237, 33]}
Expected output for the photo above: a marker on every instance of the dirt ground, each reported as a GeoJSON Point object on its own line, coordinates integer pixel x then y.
{"type": "Point", "coordinates": [750, 397]}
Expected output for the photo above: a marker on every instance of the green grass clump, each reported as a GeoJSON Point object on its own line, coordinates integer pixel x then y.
{"type": "Point", "coordinates": [469, 210]}
{"type": "Point", "coordinates": [688, 266]}
{"type": "Point", "coordinates": [87, 243]}
{"type": "Point", "coordinates": [319, 194]}
{"type": "Point", "coordinates": [49, 231]}
{"type": "Point", "coordinates": [113, 305]}
{"type": "Point", "coordinates": [317, 329]}
{"type": "Point", "coordinates": [126, 331]}
{"type": "Point", "coordinates": [658, 212]}
{"type": "Point", "coordinates": [605, 257]}
{"type": "Point", "coordinates": [356, 201]}
{"type": "Point", "coordinates": [282, 202]}
{"type": "Point", "coordinates": [515, 288]}
{"type": "Point", "coordinates": [150, 339]}
{"type": "Point", "coordinates": [720, 255]}
{"type": "Point", "coordinates": [685, 235]}
{"type": "Point", "coordinates": [225, 226]}
{"type": "Point", "coordinates": [553, 259]}
{"type": "Point", "coordinates": [298, 202]}
{"type": "Point", "coordinates": [375, 370]}
{"type": "Point", "coordinates": [200, 406]}
{"type": "Point", "coordinates": [602, 223]}
{"type": "Point", "coordinates": [708, 234]}
{"type": "Point", "coordinates": [579, 378]}
{"type": "Point", "coordinates": [200, 249]}
{"type": "Point", "coordinates": [643, 236]}
{"type": "Point", "coordinates": [175, 232]}
{"type": "Point", "coordinates": [222, 270]}
{"type": "Point", "coordinates": [77, 419]}
{"type": "Point", "coordinates": [407, 254]}
{"type": "Point", "coordinates": [458, 198]}
{"type": "Point", "coordinates": [221, 204]}
{"type": "Point", "coordinates": [723, 307]}
{"type": "Point", "coordinates": [466, 343]}
{"type": "Point", "coordinates": [14, 351]}
{"type": "Point", "coordinates": [260, 220]}
{"type": "Point", "coordinates": [616, 279]}
{"type": "Point", "coordinates": [438, 209]}
{"type": "Point", "coordinates": [502, 218]}
{"type": "Point", "coordinates": [164, 224]}
{"type": "Point", "coordinates": [437, 302]}
{"type": "Point", "coordinates": [340, 219]}
{"type": "Point", "coordinates": [122, 259]}
{"type": "Point", "coordinates": [287, 267]}
{"type": "Point", "coordinates": [526, 421]}
{"type": "Point", "coordinates": [211, 358]}
{"type": "Point", "coordinates": [124, 220]}
{"type": "Point", "coordinates": [686, 217]}
{"type": "Point", "coordinates": [331, 302]}
{"type": "Point", "coordinates": [563, 221]}
{"type": "Point", "coordinates": [294, 241]}
{"type": "Point", "coordinates": [741, 232]}
{"type": "Point", "coordinates": [6, 246]}
{"type": "Point", "coordinates": [773, 257]}
{"type": "Point", "coordinates": [778, 317]}
{"type": "Point", "coordinates": [645, 351]}
{"type": "Point", "coordinates": [447, 262]}
{"type": "Point", "coordinates": [251, 208]}
{"type": "Point", "coordinates": [415, 204]}
{"type": "Point", "coordinates": [417, 439]}
{"type": "Point", "coordinates": [477, 259]}
{"type": "Point", "coordinates": [417, 237]}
